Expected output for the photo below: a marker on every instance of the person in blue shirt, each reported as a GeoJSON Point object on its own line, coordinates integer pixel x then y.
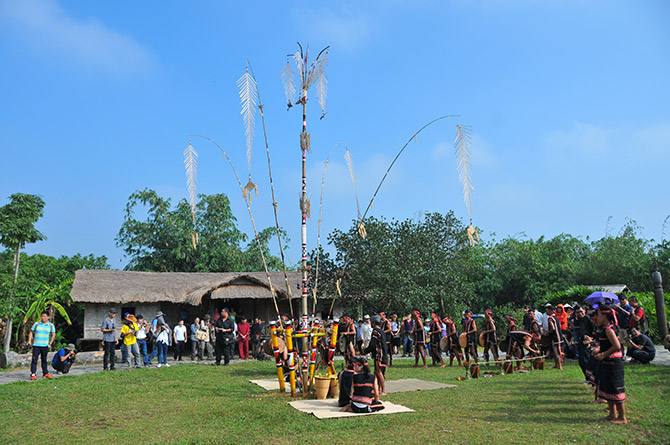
{"type": "Point", "coordinates": [42, 334]}
{"type": "Point", "coordinates": [64, 358]}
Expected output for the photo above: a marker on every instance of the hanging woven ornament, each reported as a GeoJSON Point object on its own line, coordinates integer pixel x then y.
{"type": "Point", "coordinates": [305, 144]}
{"type": "Point", "coordinates": [246, 191]}
{"type": "Point", "coordinates": [472, 233]}
{"type": "Point", "coordinates": [361, 230]}
{"type": "Point", "coordinates": [306, 206]}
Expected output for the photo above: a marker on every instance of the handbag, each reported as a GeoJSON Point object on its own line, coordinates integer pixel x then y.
{"type": "Point", "coordinates": [201, 335]}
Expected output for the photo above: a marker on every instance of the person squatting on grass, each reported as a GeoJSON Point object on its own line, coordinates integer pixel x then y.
{"type": "Point", "coordinates": [640, 347]}
{"type": "Point", "coordinates": [64, 358]}
{"type": "Point", "coordinates": [42, 335]}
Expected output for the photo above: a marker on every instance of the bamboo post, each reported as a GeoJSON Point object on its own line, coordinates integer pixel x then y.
{"type": "Point", "coordinates": [275, 350]}
{"type": "Point", "coordinates": [331, 347]}
{"type": "Point", "coordinates": [312, 359]}
{"type": "Point", "coordinates": [291, 363]}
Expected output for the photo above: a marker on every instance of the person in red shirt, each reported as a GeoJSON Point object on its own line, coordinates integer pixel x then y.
{"type": "Point", "coordinates": [636, 315]}
{"type": "Point", "coordinates": [243, 330]}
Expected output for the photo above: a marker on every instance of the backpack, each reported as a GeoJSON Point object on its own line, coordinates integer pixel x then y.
{"type": "Point", "coordinates": [644, 321]}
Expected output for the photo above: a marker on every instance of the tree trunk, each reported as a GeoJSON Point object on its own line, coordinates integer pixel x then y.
{"type": "Point", "coordinates": [10, 320]}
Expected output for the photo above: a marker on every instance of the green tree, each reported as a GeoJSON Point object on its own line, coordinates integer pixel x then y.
{"type": "Point", "coordinates": [401, 264]}
{"type": "Point", "coordinates": [162, 242]}
{"type": "Point", "coordinates": [626, 258]}
{"type": "Point", "coordinates": [17, 228]}
{"type": "Point", "coordinates": [39, 273]}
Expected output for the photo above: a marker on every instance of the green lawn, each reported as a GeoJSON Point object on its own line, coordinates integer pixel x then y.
{"type": "Point", "coordinates": [206, 404]}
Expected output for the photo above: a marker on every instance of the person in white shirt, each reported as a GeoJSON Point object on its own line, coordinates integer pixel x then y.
{"type": "Point", "coordinates": [180, 339]}
{"type": "Point", "coordinates": [366, 331]}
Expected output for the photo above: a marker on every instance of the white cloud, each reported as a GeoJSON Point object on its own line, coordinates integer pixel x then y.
{"type": "Point", "coordinates": [44, 25]}
{"type": "Point", "coordinates": [640, 145]}
{"type": "Point", "coordinates": [346, 28]}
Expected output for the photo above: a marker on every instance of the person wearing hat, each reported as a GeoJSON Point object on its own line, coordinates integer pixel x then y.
{"type": "Point", "coordinates": [64, 358]}
{"type": "Point", "coordinates": [109, 340]}
{"type": "Point", "coordinates": [128, 332]}
{"type": "Point", "coordinates": [366, 332]}
{"type": "Point", "coordinates": [205, 344]}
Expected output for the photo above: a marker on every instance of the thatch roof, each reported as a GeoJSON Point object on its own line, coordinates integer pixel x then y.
{"type": "Point", "coordinates": [614, 288]}
{"type": "Point", "coordinates": [116, 286]}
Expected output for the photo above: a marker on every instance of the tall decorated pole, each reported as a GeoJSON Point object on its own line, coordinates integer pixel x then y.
{"type": "Point", "coordinates": [307, 75]}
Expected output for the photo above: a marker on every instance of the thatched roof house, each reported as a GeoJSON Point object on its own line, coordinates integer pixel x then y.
{"type": "Point", "coordinates": [178, 295]}
{"type": "Point", "coordinates": [614, 288]}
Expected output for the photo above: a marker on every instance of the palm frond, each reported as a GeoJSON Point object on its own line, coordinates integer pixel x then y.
{"type": "Point", "coordinates": [300, 65]}
{"type": "Point", "coordinates": [463, 148]}
{"type": "Point", "coordinates": [350, 165]}
{"type": "Point", "coordinates": [322, 91]}
{"type": "Point", "coordinates": [288, 80]}
{"type": "Point", "coordinates": [249, 101]}
{"type": "Point", "coordinates": [191, 165]}
{"type": "Point", "coordinates": [317, 69]}
{"type": "Point", "coordinates": [61, 310]}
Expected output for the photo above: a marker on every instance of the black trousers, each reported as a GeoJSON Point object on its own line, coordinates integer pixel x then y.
{"type": "Point", "coordinates": [641, 356]}
{"type": "Point", "coordinates": [109, 357]}
{"type": "Point", "coordinates": [584, 356]}
{"type": "Point", "coordinates": [39, 352]}
{"type": "Point", "coordinates": [224, 348]}
{"type": "Point", "coordinates": [63, 367]}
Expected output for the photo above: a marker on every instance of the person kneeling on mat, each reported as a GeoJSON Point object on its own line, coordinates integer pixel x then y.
{"type": "Point", "coordinates": [64, 358]}
{"type": "Point", "coordinates": [365, 394]}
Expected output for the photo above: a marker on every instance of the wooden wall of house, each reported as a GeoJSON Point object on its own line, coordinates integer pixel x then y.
{"type": "Point", "coordinates": [95, 313]}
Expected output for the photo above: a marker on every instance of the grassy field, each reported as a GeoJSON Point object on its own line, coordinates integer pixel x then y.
{"type": "Point", "coordinates": [206, 404]}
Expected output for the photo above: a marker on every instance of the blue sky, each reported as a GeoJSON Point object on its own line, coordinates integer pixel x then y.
{"type": "Point", "coordinates": [568, 101]}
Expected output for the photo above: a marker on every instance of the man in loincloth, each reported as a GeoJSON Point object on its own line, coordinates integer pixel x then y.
{"type": "Point", "coordinates": [490, 338]}
{"type": "Point", "coordinates": [378, 348]}
{"type": "Point", "coordinates": [388, 334]}
{"type": "Point", "coordinates": [349, 335]}
{"type": "Point", "coordinates": [419, 339]}
{"type": "Point", "coordinates": [554, 332]}
{"type": "Point", "coordinates": [470, 329]}
{"type": "Point", "coordinates": [454, 347]}
{"type": "Point", "coordinates": [435, 333]}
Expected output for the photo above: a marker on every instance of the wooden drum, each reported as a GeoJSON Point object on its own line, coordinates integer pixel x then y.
{"type": "Point", "coordinates": [463, 340]}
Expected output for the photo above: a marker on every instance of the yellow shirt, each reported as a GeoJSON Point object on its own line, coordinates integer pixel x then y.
{"type": "Point", "coordinates": [129, 338]}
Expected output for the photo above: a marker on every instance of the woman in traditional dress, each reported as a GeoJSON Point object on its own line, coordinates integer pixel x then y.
{"type": "Point", "coordinates": [611, 373]}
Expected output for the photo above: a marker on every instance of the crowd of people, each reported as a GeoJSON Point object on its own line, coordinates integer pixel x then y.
{"type": "Point", "coordinates": [208, 339]}
{"type": "Point", "coordinates": [596, 336]}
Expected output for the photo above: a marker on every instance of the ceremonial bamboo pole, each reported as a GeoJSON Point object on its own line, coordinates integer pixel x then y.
{"type": "Point", "coordinates": [331, 347]}
{"type": "Point", "coordinates": [313, 346]}
{"type": "Point", "coordinates": [275, 350]}
{"type": "Point", "coordinates": [367, 209]}
{"type": "Point", "coordinates": [288, 332]}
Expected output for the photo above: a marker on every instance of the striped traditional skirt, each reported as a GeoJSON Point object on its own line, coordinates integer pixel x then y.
{"type": "Point", "coordinates": [611, 380]}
